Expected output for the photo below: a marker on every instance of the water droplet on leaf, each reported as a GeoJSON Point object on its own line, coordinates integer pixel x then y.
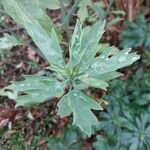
{"type": "Point", "coordinates": [102, 56]}
{"type": "Point", "coordinates": [122, 59]}
{"type": "Point", "coordinates": [77, 44]}
{"type": "Point", "coordinates": [75, 94]}
{"type": "Point", "coordinates": [77, 36]}
{"type": "Point", "coordinates": [28, 84]}
{"type": "Point", "coordinates": [22, 85]}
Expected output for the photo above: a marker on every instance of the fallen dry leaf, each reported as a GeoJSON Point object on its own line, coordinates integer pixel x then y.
{"type": "Point", "coordinates": [28, 140]}
{"type": "Point", "coordinates": [31, 54]}
{"type": "Point", "coordinates": [41, 142]}
{"type": "Point", "coordinates": [7, 134]}
{"type": "Point", "coordinates": [4, 122]}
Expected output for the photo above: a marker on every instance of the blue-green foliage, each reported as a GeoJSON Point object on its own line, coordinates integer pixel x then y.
{"type": "Point", "coordinates": [127, 118]}
{"type": "Point", "coordinates": [136, 34]}
{"type": "Point", "coordinates": [69, 140]}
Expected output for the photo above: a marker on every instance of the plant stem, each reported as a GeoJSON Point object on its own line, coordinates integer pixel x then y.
{"type": "Point", "coordinates": [67, 18]}
{"type": "Point", "coordinates": [63, 10]}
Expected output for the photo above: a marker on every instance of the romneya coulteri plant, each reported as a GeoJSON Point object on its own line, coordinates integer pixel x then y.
{"type": "Point", "coordinates": [84, 69]}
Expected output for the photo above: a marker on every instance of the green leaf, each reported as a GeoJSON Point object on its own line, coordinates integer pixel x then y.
{"type": "Point", "coordinates": [111, 121]}
{"type": "Point", "coordinates": [71, 136]}
{"type": "Point", "coordinates": [52, 4]}
{"type": "Point", "coordinates": [84, 45]}
{"type": "Point", "coordinates": [103, 47]}
{"type": "Point", "coordinates": [83, 10]}
{"type": "Point", "coordinates": [103, 64]}
{"type": "Point", "coordinates": [8, 42]}
{"type": "Point", "coordinates": [38, 25]}
{"type": "Point", "coordinates": [24, 11]}
{"type": "Point", "coordinates": [136, 34]}
{"type": "Point", "coordinates": [107, 50]}
{"type": "Point", "coordinates": [90, 41]}
{"type": "Point", "coordinates": [85, 3]}
{"type": "Point", "coordinates": [69, 140]}
{"type": "Point", "coordinates": [94, 82]}
{"type": "Point", "coordinates": [9, 94]}
{"type": "Point", "coordinates": [64, 106]}
{"type": "Point", "coordinates": [55, 144]}
{"type": "Point", "coordinates": [102, 144]}
{"type": "Point", "coordinates": [124, 117]}
{"type": "Point", "coordinates": [137, 136]}
{"type": "Point", "coordinates": [76, 40]}
{"type": "Point", "coordinates": [82, 13]}
{"type": "Point", "coordinates": [80, 105]}
{"type": "Point", "coordinates": [109, 76]}
{"type": "Point", "coordinates": [35, 90]}
{"type": "Point", "coordinates": [144, 99]}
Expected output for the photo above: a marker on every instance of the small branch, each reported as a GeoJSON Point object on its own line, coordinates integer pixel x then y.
{"type": "Point", "coordinates": [63, 10]}
{"type": "Point", "coordinates": [67, 19]}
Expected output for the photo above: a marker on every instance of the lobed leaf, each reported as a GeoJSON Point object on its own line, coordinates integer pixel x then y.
{"type": "Point", "coordinates": [80, 105]}
{"type": "Point", "coordinates": [76, 40]}
{"type": "Point", "coordinates": [103, 64]}
{"type": "Point", "coordinates": [109, 76]}
{"type": "Point", "coordinates": [94, 82]}
{"type": "Point", "coordinates": [84, 45]}
{"type": "Point", "coordinates": [35, 90]}
{"type": "Point", "coordinates": [90, 41]}
{"type": "Point", "coordinates": [38, 25]}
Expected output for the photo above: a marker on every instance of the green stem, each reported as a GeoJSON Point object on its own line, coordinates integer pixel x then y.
{"type": "Point", "coordinates": [67, 19]}
{"type": "Point", "coordinates": [63, 10]}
